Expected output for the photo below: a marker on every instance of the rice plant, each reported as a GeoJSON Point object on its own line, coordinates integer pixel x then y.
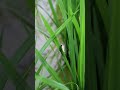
{"type": "Point", "coordinates": [86, 37]}
{"type": "Point", "coordinates": [69, 20]}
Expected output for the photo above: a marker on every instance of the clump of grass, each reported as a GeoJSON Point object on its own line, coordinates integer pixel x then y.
{"type": "Point", "coordinates": [72, 28]}
{"type": "Point", "coordinates": [90, 31]}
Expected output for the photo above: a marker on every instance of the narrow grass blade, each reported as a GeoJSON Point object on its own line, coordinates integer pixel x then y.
{"type": "Point", "coordinates": [75, 22]}
{"type": "Point", "coordinates": [70, 43]}
{"type": "Point", "coordinates": [53, 12]}
{"type": "Point", "coordinates": [51, 82]}
{"type": "Point", "coordinates": [47, 66]}
{"type": "Point", "coordinates": [81, 62]}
